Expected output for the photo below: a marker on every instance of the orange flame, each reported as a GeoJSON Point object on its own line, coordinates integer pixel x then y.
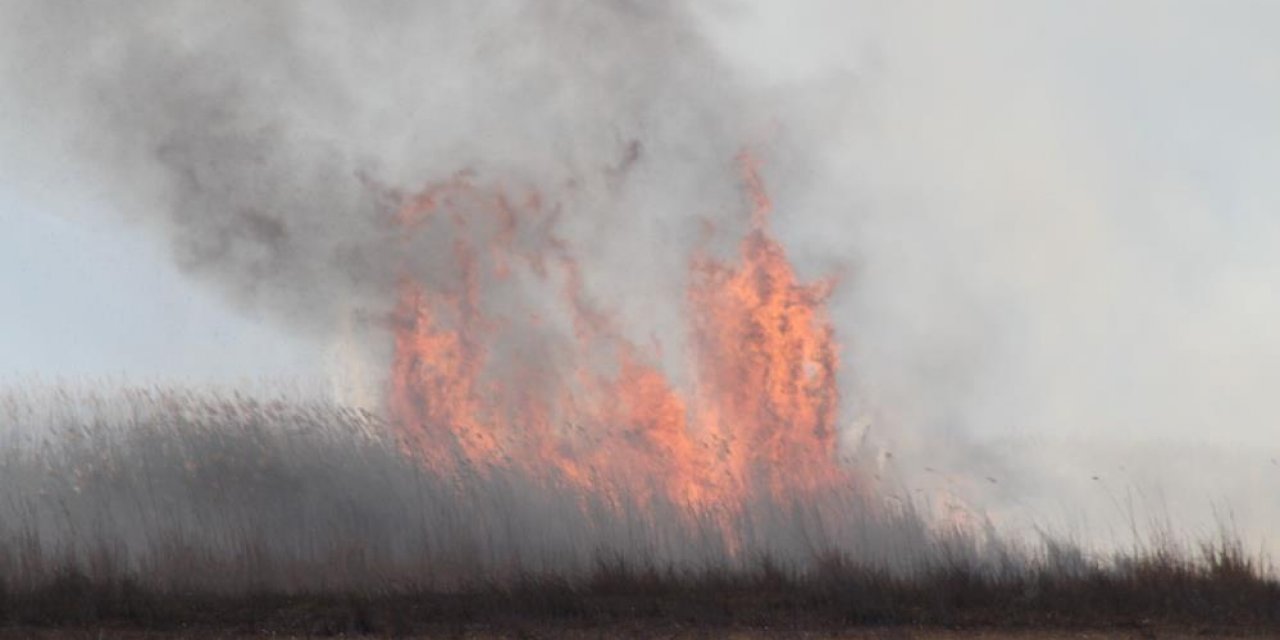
{"type": "Point", "coordinates": [474, 388]}
{"type": "Point", "coordinates": [767, 360]}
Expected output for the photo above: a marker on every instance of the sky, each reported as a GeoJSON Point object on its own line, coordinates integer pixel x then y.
{"type": "Point", "coordinates": [90, 300]}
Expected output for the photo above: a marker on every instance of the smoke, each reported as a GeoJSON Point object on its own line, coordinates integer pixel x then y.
{"type": "Point", "coordinates": [1063, 223]}
{"type": "Point", "coordinates": [1055, 222]}
{"type": "Point", "coordinates": [267, 145]}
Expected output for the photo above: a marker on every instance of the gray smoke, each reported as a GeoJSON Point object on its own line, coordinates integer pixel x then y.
{"type": "Point", "coordinates": [267, 144]}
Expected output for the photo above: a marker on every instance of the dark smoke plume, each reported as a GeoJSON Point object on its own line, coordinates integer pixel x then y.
{"type": "Point", "coordinates": [268, 144]}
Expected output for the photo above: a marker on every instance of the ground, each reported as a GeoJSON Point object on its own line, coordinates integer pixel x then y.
{"type": "Point", "coordinates": [891, 633]}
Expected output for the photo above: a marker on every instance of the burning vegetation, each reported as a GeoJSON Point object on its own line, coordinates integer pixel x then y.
{"type": "Point", "coordinates": [538, 449]}
{"type": "Point", "coordinates": [537, 469]}
{"type": "Point", "coordinates": [198, 511]}
{"type": "Point", "coordinates": [472, 386]}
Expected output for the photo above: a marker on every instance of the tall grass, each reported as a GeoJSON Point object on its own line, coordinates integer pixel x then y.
{"type": "Point", "coordinates": [224, 492]}
{"type": "Point", "coordinates": [114, 503]}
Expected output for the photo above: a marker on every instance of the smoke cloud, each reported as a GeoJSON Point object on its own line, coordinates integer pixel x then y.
{"type": "Point", "coordinates": [1054, 221]}
{"type": "Point", "coordinates": [267, 145]}
{"type": "Point", "coordinates": [1062, 222]}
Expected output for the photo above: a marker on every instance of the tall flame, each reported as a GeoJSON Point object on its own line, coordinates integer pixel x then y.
{"type": "Point", "coordinates": [478, 386]}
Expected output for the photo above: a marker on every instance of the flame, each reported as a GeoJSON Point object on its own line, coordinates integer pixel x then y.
{"type": "Point", "coordinates": [767, 361]}
{"type": "Point", "coordinates": [480, 384]}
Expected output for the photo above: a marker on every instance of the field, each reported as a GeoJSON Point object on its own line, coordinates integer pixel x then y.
{"type": "Point", "coordinates": [142, 511]}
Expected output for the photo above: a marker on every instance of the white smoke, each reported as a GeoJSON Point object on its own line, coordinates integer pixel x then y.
{"type": "Point", "coordinates": [1063, 219]}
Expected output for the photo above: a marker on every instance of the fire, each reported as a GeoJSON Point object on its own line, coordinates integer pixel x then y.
{"type": "Point", "coordinates": [483, 382]}
{"type": "Point", "coordinates": [767, 359]}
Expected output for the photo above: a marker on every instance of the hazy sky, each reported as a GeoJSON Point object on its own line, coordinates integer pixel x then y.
{"type": "Point", "coordinates": [100, 300]}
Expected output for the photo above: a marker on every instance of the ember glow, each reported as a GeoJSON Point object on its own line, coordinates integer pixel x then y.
{"type": "Point", "coordinates": [482, 379]}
